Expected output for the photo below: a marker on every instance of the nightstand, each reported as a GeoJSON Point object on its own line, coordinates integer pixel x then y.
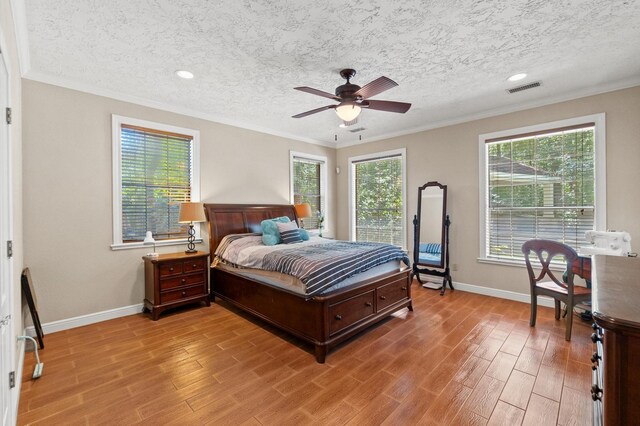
{"type": "Point", "coordinates": [175, 279]}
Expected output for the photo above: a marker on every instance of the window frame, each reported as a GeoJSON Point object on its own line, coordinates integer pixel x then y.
{"type": "Point", "coordinates": [116, 126]}
{"type": "Point", "coordinates": [402, 153]}
{"type": "Point", "coordinates": [323, 181]}
{"type": "Point", "coordinates": [600, 190]}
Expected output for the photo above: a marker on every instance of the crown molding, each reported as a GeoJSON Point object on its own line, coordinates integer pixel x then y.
{"type": "Point", "coordinates": [87, 88]}
{"type": "Point", "coordinates": [577, 94]}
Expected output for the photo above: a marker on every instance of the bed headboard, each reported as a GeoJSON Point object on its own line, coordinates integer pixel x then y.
{"type": "Point", "coordinates": [225, 219]}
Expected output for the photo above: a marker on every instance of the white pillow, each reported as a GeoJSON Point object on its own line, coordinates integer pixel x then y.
{"type": "Point", "coordinates": [289, 232]}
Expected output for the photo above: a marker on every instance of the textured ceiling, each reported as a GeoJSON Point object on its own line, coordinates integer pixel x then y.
{"type": "Point", "coordinates": [450, 58]}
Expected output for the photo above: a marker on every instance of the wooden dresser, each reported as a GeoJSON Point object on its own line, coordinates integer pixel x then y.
{"type": "Point", "coordinates": [616, 360]}
{"type": "Point", "coordinates": [175, 279]}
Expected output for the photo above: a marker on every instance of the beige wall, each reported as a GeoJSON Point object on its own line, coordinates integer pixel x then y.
{"type": "Point", "coordinates": [67, 186]}
{"type": "Point", "coordinates": [68, 198]}
{"type": "Point", "coordinates": [450, 156]}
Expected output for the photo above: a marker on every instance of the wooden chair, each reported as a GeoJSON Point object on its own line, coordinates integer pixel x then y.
{"type": "Point", "coordinates": [546, 251]}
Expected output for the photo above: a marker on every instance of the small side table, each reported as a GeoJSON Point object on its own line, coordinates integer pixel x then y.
{"type": "Point", "coordinates": [175, 279]}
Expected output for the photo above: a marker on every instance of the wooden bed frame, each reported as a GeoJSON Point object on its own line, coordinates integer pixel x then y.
{"type": "Point", "coordinates": [324, 320]}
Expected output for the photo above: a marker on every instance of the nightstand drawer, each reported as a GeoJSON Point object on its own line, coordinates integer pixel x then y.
{"type": "Point", "coordinates": [184, 280]}
{"type": "Point", "coordinates": [168, 269]}
{"type": "Point", "coordinates": [193, 265]}
{"type": "Point", "coordinates": [183, 293]}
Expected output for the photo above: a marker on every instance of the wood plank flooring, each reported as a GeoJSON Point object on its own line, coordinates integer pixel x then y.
{"type": "Point", "coordinates": [461, 359]}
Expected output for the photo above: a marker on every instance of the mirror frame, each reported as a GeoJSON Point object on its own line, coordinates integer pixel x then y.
{"type": "Point", "coordinates": [416, 242]}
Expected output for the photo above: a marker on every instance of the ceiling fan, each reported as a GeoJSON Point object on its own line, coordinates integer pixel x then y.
{"type": "Point", "coordinates": [353, 98]}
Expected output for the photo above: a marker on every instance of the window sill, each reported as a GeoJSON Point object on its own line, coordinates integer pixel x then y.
{"type": "Point", "coordinates": [127, 246]}
{"type": "Point", "coordinates": [517, 263]}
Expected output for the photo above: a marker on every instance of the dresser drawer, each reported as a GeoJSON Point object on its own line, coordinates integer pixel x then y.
{"type": "Point", "coordinates": [168, 269]}
{"type": "Point", "coordinates": [183, 293]}
{"type": "Point", "coordinates": [183, 280]}
{"type": "Point", "coordinates": [193, 265]}
{"type": "Point", "coordinates": [391, 293]}
{"type": "Point", "coordinates": [350, 311]}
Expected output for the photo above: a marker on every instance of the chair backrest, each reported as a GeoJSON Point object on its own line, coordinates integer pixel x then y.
{"type": "Point", "coordinates": [546, 251]}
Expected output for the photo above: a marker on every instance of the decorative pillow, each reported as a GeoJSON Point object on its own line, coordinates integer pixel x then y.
{"type": "Point", "coordinates": [289, 232]}
{"type": "Point", "coordinates": [429, 248]}
{"type": "Point", "coordinates": [270, 234]}
{"type": "Point", "coordinates": [304, 234]}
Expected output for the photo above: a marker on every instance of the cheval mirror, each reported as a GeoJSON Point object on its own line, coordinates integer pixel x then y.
{"type": "Point", "coordinates": [431, 235]}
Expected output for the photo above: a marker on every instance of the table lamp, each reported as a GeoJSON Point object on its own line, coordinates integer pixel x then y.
{"type": "Point", "coordinates": [302, 210]}
{"type": "Point", "coordinates": [190, 213]}
{"type": "Point", "coordinates": [149, 240]}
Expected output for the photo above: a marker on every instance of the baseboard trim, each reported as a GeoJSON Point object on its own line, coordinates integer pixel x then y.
{"type": "Point", "coordinates": [502, 294]}
{"type": "Point", "coordinates": [124, 311]}
{"type": "Point", "coordinates": [74, 322]}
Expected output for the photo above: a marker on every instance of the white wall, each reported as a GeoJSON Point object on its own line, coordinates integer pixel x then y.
{"type": "Point", "coordinates": [450, 156]}
{"type": "Point", "coordinates": [67, 187]}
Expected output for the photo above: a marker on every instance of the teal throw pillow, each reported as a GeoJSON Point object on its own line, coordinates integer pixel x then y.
{"type": "Point", "coordinates": [304, 234]}
{"type": "Point", "coordinates": [270, 234]}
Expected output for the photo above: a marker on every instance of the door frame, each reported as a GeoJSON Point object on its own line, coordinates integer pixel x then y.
{"type": "Point", "coordinates": [8, 351]}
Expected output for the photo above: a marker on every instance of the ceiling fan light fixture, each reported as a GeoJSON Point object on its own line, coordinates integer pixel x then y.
{"type": "Point", "coordinates": [348, 111]}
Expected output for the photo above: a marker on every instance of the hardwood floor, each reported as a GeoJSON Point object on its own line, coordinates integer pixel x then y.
{"type": "Point", "coordinates": [461, 359]}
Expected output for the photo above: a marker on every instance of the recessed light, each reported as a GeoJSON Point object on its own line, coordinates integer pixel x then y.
{"type": "Point", "coordinates": [517, 77]}
{"type": "Point", "coordinates": [184, 74]}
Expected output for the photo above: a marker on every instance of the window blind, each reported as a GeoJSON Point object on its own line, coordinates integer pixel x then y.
{"type": "Point", "coordinates": [156, 178]}
{"type": "Point", "coordinates": [307, 188]}
{"type": "Point", "coordinates": [377, 186]}
{"type": "Point", "coordinates": [540, 186]}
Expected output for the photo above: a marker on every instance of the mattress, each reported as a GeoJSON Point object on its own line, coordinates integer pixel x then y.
{"type": "Point", "coordinates": [293, 284]}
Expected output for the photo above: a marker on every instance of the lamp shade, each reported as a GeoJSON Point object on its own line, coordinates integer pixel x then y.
{"type": "Point", "coordinates": [191, 212]}
{"type": "Point", "coordinates": [148, 239]}
{"type": "Point", "coordinates": [303, 210]}
{"type": "Point", "coordinates": [348, 111]}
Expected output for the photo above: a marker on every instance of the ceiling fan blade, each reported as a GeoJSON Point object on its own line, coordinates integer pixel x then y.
{"type": "Point", "coordinates": [377, 86]}
{"type": "Point", "coordinates": [389, 106]}
{"type": "Point", "coordinates": [313, 111]}
{"type": "Point", "coordinates": [317, 92]}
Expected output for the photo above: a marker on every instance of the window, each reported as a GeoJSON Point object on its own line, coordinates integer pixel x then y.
{"type": "Point", "coordinates": [543, 181]}
{"type": "Point", "coordinates": [155, 169]}
{"type": "Point", "coordinates": [378, 198]}
{"type": "Point", "coordinates": [308, 183]}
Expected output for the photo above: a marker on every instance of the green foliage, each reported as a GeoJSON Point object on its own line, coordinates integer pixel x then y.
{"type": "Point", "coordinates": [378, 200]}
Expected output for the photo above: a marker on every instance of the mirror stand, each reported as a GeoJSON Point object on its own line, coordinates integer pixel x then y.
{"type": "Point", "coordinates": [446, 273]}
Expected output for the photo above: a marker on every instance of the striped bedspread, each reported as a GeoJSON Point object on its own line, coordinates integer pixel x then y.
{"type": "Point", "coordinates": [317, 263]}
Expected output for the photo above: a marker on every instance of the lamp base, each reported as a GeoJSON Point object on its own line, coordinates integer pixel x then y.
{"type": "Point", "coordinates": [191, 251]}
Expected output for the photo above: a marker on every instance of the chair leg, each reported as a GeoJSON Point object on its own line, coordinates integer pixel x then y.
{"type": "Point", "coordinates": [557, 302]}
{"type": "Point", "coordinates": [567, 336]}
{"type": "Point", "coordinates": [534, 310]}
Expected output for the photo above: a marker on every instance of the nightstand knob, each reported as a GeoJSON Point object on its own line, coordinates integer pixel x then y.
{"type": "Point", "coordinates": [368, 304]}
{"type": "Point", "coordinates": [403, 288]}
{"type": "Point", "coordinates": [184, 281]}
{"type": "Point", "coordinates": [184, 293]}
{"type": "Point", "coordinates": [383, 297]}
{"type": "Point", "coordinates": [338, 317]}
{"type": "Point", "coordinates": [195, 266]}
{"type": "Point", "coordinates": [171, 269]}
